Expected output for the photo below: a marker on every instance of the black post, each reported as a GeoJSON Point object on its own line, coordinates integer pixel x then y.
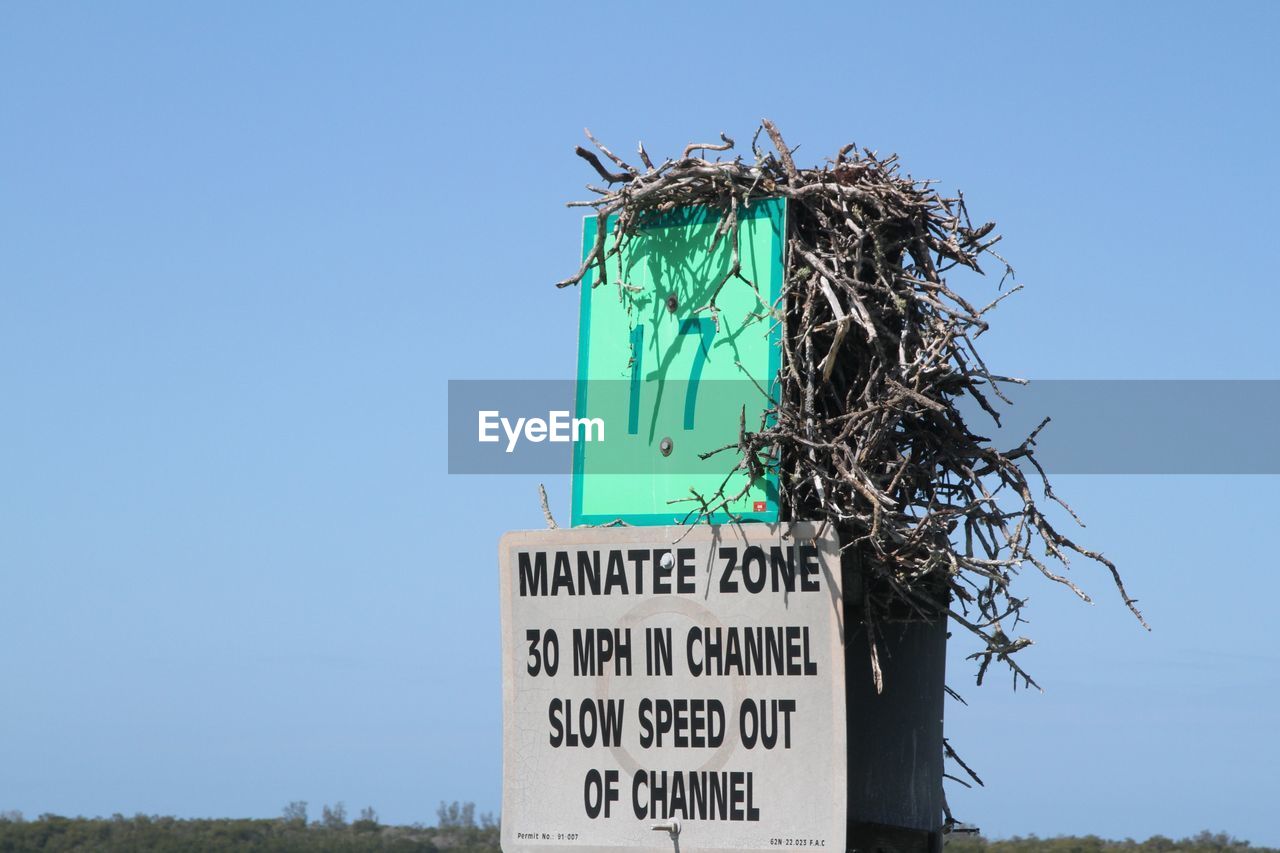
{"type": "Point", "coordinates": [895, 737]}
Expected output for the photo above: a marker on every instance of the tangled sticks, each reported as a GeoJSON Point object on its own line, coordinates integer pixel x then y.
{"type": "Point", "coordinates": [877, 352]}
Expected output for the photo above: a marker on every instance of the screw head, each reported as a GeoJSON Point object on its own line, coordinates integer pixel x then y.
{"type": "Point", "coordinates": [665, 446]}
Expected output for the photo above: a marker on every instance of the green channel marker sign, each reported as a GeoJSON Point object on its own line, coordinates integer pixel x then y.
{"type": "Point", "coordinates": [667, 383]}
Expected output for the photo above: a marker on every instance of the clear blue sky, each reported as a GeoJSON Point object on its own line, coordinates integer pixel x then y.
{"type": "Point", "coordinates": [243, 246]}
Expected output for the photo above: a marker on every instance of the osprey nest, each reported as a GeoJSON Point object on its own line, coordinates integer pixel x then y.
{"type": "Point", "coordinates": [878, 350]}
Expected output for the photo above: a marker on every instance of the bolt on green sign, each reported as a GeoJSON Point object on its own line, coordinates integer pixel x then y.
{"type": "Point", "coordinates": [670, 378]}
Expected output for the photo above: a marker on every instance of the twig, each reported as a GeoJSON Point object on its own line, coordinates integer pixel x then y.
{"type": "Point", "coordinates": [546, 508]}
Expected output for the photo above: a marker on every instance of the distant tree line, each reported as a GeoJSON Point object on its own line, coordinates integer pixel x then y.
{"type": "Point", "coordinates": [457, 830]}
{"type": "Point", "coordinates": [1205, 842]}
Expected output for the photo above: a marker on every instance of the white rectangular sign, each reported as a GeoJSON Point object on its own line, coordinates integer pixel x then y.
{"type": "Point", "coordinates": [673, 677]}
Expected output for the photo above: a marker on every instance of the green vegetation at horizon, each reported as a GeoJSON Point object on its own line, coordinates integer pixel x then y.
{"type": "Point", "coordinates": [1203, 842]}
{"type": "Point", "coordinates": [457, 829]}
